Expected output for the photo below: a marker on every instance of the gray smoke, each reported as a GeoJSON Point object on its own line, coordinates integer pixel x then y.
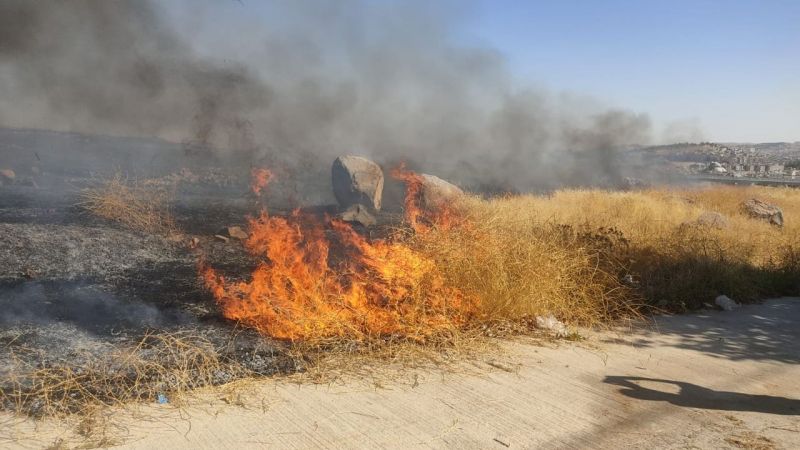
{"type": "Point", "coordinates": [311, 81]}
{"type": "Point", "coordinates": [87, 308]}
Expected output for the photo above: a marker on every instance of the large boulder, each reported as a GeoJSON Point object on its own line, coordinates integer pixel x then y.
{"type": "Point", "coordinates": [764, 211]}
{"type": "Point", "coordinates": [436, 191]}
{"type": "Point", "coordinates": [357, 180]}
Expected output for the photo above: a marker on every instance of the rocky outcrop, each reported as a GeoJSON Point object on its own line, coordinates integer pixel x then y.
{"type": "Point", "coordinates": [436, 191]}
{"type": "Point", "coordinates": [357, 181]}
{"type": "Point", "coordinates": [762, 210]}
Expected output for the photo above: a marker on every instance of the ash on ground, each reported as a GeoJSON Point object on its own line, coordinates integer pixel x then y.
{"type": "Point", "coordinates": [74, 287]}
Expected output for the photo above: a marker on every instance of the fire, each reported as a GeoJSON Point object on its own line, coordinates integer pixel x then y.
{"type": "Point", "coordinates": [261, 177]}
{"type": "Point", "coordinates": [319, 279]}
{"type": "Point", "coordinates": [422, 218]}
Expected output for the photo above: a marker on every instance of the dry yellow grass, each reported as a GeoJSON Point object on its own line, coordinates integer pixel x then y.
{"type": "Point", "coordinates": [588, 256]}
{"type": "Point", "coordinates": [135, 206]}
{"type": "Point", "coordinates": [518, 266]}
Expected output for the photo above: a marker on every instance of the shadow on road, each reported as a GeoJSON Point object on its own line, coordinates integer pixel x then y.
{"type": "Point", "coordinates": [763, 332]}
{"type": "Point", "coordinates": [693, 396]}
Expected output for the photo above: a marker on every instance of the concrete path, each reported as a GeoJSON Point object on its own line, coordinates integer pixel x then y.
{"type": "Point", "coordinates": [709, 380]}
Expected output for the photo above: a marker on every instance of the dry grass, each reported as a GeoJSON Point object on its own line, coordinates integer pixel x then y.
{"type": "Point", "coordinates": [168, 365]}
{"type": "Point", "coordinates": [590, 256]}
{"type": "Point", "coordinates": [136, 206]}
{"type": "Point", "coordinates": [518, 268]}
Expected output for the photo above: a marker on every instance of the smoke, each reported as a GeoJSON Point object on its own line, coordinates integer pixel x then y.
{"type": "Point", "coordinates": [686, 130]}
{"type": "Point", "coordinates": [304, 83]}
{"type": "Point", "coordinates": [114, 67]}
{"type": "Point", "coordinates": [85, 307]}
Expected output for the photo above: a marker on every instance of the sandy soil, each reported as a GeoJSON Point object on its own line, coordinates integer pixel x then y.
{"type": "Point", "coordinates": [708, 380]}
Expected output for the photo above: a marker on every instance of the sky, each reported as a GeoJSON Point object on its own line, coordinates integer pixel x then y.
{"type": "Point", "coordinates": [719, 70]}
{"type": "Point", "coordinates": [732, 67]}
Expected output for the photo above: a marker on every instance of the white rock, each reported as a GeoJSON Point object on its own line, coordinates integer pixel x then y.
{"type": "Point", "coordinates": [724, 302]}
{"type": "Point", "coordinates": [550, 323]}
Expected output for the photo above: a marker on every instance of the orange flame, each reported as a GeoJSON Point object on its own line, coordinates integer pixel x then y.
{"type": "Point", "coordinates": [320, 279]}
{"type": "Point", "coordinates": [260, 178]}
{"type": "Point", "coordinates": [422, 218]}
{"type": "Point", "coordinates": [411, 202]}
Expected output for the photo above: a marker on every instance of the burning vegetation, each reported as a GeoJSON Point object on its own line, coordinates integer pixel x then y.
{"type": "Point", "coordinates": [583, 257]}
{"type": "Point", "coordinates": [320, 279]}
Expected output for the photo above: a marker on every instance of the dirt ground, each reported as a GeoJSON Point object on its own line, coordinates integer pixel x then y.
{"type": "Point", "coordinates": [706, 380]}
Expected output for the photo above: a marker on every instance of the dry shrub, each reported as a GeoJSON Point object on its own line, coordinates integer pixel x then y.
{"type": "Point", "coordinates": [168, 364]}
{"type": "Point", "coordinates": [519, 266]}
{"type": "Point", "coordinates": [139, 207]}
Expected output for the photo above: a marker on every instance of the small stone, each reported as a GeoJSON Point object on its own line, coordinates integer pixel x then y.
{"type": "Point", "coordinates": [221, 238]}
{"type": "Point", "coordinates": [551, 324]}
{"type": "Point", "coordinates": [724, 302]}
{"type": "Point", "coordinates": [629, 280]}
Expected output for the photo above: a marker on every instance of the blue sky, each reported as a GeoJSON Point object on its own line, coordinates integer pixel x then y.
{"type": "Point", "coordinates": [732, 66]}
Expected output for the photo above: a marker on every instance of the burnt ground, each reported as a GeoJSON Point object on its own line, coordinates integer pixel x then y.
{"type": "Point", "coordinates": [73, 285]}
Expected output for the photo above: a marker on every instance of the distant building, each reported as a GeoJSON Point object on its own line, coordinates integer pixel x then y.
{"type": "Point", "coordinates": [775, 169]}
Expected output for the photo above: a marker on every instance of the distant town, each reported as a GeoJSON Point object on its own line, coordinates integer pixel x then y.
{"type": "Point", "coordinates": [774, 161]}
